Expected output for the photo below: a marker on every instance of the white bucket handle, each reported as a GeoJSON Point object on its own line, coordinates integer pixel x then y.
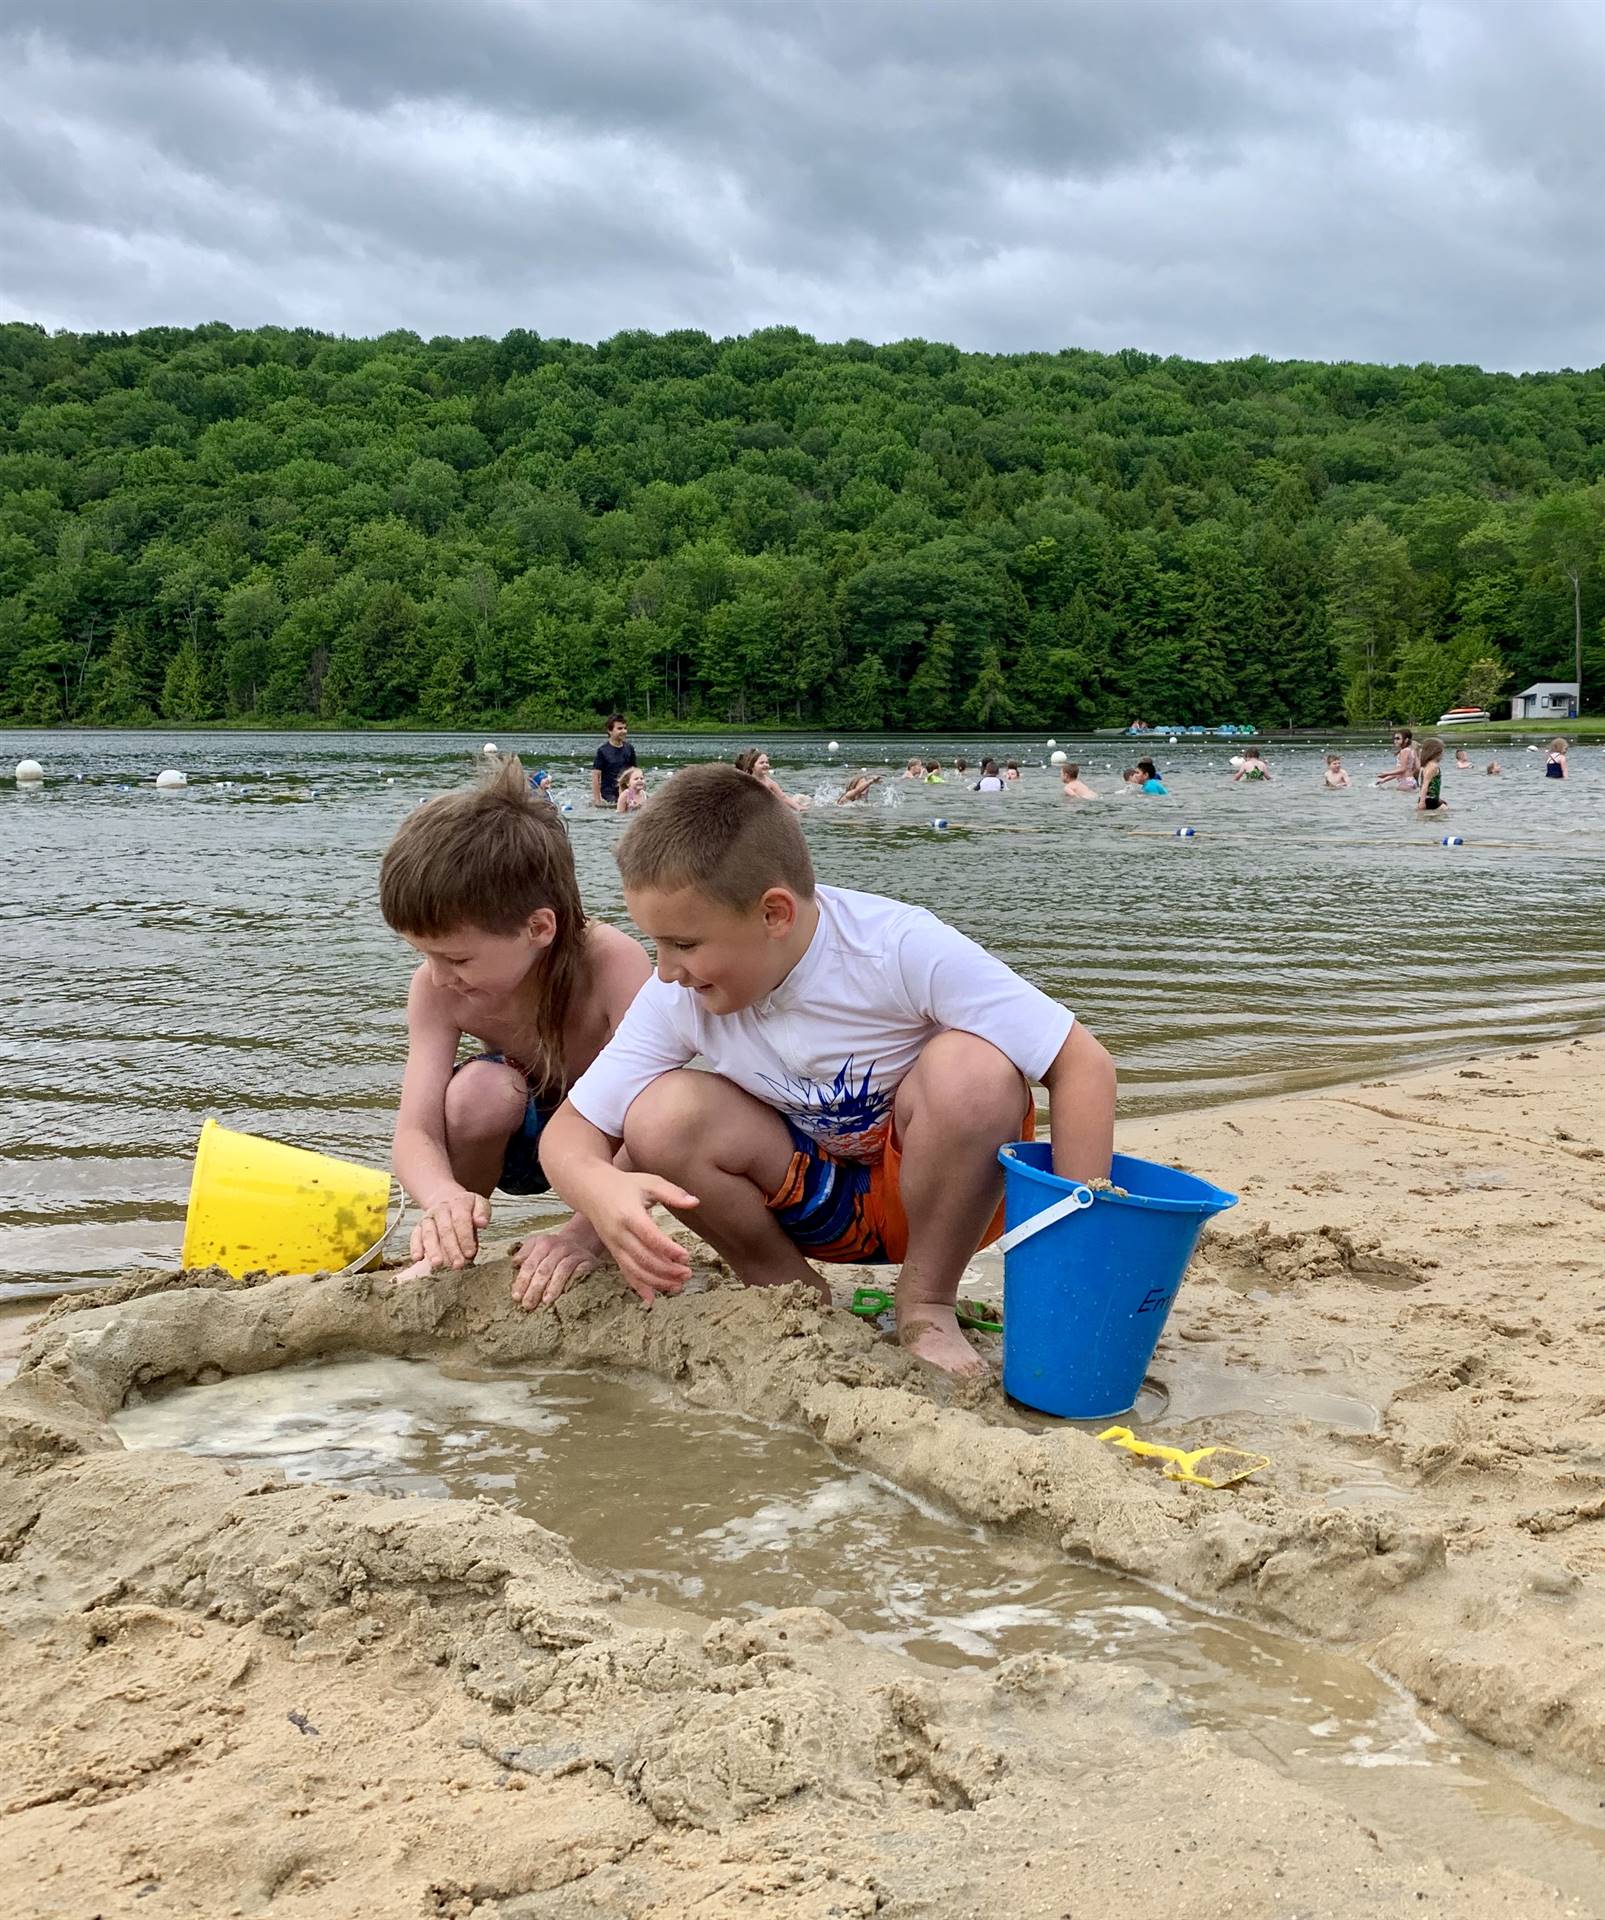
{"type": "Point", "coordinates": [1073, 1202]}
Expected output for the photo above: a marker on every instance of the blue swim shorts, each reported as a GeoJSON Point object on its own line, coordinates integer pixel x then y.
{"type": "Point", "coordinates": [521, 1163]}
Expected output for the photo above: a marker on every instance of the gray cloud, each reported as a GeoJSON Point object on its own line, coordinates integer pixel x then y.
{"type": "Point", "coordinates": [1389, 179]}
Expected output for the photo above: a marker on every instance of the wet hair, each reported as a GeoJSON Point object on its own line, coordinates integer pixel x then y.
{"type": "Point", "coordinates": [915, 761]}
{"type": "Point", "coordinates": [1404, 736]}
{"type": "Point", "coordinates": [961, 766]}
{"type": "Point", "coordinates": [1492, 767]}
{"type": "Point", "coordinates": [1431, 748]}
{"type": "Point", "coordinates": [486, 858]}
{"type": "Point", "coordinates": [1334, 760]}
{"type": "Point", "coordinates": [747, 760]}
{"type": "Point", "coordinates": [1147, 769]}
{"type": "Point", "coordinates": [933, 766]}
{"type": "Point", "coordinates": [988, 768]}
{"type": "Point", "coordinates": [1071, 770]}
{"type": "Point", "coordinates": [1014, 765]}
{"type": "Point", "coordinates": [1131, 773]}
{"type": "Point", "coordinates": [720, 833]}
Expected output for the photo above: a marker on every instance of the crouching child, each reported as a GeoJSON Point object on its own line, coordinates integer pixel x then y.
{"type": "Point", "coordinates": [867, 1062]}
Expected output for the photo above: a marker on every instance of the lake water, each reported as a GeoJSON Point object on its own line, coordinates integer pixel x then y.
{"type": "Point", "coordinates": [219, 950]}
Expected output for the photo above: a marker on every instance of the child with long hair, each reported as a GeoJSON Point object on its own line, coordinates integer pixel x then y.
{"type": "Point", "coordinates": [481, 885]}
{"type": "Point", "coordinates": [1429, 774]}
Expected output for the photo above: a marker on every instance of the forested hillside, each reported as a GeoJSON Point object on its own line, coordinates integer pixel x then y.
{"type": "Point", "coordinates": [278, 526]}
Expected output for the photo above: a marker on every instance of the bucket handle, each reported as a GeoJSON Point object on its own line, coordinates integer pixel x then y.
{"type": "Point", "coordinates": [1073, 1202]}
{"type": "Point", "coordinates": [395, 1207]}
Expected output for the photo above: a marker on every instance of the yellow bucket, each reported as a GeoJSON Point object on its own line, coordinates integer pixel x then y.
{"type": "Point", "coordinates": [257, 1206]}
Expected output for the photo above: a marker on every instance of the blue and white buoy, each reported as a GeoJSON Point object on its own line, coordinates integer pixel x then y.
{"type": "Point", "coordinates": [940, 825]}
{"type": "Point", "coordinates": [1451, 840]}
{"type": "Point", "coordinates": [1186, 833]}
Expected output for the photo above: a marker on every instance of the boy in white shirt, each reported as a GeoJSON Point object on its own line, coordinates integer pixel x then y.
{"type": "Point", "coordinates": [867, 1063]}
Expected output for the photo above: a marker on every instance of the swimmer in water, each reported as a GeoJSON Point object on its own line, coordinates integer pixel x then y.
{"type": "Point", "coordinates": [857, 787]}
{"type": "Point", "coordinates": [1336, 775]}
{"type": "Point", "coordinates": [1071, 784]}
{"type": "Point", "coordinates": [1555, 761]}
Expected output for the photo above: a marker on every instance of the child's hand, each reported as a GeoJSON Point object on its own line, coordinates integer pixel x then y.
{"type": "Point", "coordinates": [547, 1262]}
{"type": "Point", "coordinates": [621, 1213]}
{"type": "Point", "coordinates": [448, 1234]}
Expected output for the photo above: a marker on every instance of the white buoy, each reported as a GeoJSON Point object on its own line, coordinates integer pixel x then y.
{"type": "Point", "coordinates": [170, 777]}
{"type": "Point", "coordinates": [1235, 761]}
{"type": "Point", "coordinates": [1058, 758]}
{"type": "Point", "coordinates": [488, 749]}
{"type": "Point", "coordinates": [1053, 743]}
{"type": "Point", "coordinates": [1173, 739]}
{"type": "Point", "coordinates": [1186, 833]}
{"type": "Point", "coordinates": [834, 747]}
{"type": "Point", "coordinates": [29, 773]}
{"type": "Point", "coordinates": [940, 825]}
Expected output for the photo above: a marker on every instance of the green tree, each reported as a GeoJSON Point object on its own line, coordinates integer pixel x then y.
{"type": "Point", "coordinates": [1372, 612]}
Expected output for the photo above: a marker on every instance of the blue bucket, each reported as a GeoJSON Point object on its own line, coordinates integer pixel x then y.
{"type": "Point", "coordinates": [1087, 1293]}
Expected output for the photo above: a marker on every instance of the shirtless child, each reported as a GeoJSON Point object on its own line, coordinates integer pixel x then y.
{"type": "Point", "coordinates": [481, 885]}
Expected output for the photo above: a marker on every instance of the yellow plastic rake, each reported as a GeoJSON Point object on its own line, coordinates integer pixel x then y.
{"type": "Point", "coordinates": [1233, 1462]}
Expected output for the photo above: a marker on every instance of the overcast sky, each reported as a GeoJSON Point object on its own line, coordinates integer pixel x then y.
{"type": "Point", "coordinates": [1359, 179]}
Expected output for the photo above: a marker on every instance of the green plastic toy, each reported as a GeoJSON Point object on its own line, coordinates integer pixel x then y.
{"type": "Point", "coordinates": [980, 1316]}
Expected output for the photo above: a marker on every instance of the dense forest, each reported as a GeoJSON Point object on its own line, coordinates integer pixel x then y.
{"type": "Point", "coordinates": [284, 527]}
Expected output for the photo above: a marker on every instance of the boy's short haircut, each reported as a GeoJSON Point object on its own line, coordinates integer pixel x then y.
{"type": "Point", "coordinates": [486, 857]}
{"type": "Point", "coordinates": [1072, 770]}
{"type": "Point", "coordinates": [720, 833]}
{"type": "Point", "coordinates": [616, 720]}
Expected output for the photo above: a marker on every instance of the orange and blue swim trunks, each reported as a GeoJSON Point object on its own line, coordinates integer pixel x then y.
{"type": "Point", "coordinates": [852, 1210]}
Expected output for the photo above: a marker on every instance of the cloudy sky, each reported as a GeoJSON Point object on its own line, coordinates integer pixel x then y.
{"type": "Point", "coordinates": [1366, 179]}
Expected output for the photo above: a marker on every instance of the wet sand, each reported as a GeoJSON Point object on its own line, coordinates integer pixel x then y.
{"type": "Point", "coordinates": [1404, 1313]}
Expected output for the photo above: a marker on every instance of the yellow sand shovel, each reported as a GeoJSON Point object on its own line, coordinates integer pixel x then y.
{"type": "Point", "coordinates": [1233, 1464]}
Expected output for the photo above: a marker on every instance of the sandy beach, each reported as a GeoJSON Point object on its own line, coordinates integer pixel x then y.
{"type": "Point", "coordinates": [224, 1693]}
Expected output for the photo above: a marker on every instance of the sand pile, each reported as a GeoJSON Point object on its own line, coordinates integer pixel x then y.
{"type": "Point", "coordinates": [222, 1692]}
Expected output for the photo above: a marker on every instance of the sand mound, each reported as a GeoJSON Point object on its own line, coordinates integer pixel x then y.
{"type": "Point", "coordinates": [397, 1706]}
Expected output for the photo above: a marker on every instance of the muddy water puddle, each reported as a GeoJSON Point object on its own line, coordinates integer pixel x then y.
{"type": "Point", "coordinates": [709, 1511]}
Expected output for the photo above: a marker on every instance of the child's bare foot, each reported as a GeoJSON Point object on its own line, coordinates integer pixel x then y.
{"type": "Point", "coordinates": [547, 1262]}
{"type": "Point", "coordinates": [931, 1333]}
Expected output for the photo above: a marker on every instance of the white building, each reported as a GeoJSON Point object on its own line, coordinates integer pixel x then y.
{"type": "Point", "coordinates": [1546, 700]}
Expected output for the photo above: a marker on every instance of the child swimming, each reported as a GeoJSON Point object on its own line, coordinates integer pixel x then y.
{"type": "Point", "coordinates": [1252, 766]}
{"type": "Point", "coordinates": [1151, 782]}
{"type": "Point", "coordinates": [1071, 784]}
{"type": "Point", "coordinates": [1462, 760]}
{"type": "Point", "coordinates": [915, 770]}
{"type": "Point", "coordinates": [755, 762]}
{"type": "Point", "coordinates": [1336, 775]}
{"type": "Point", "coordinates": [991, 781]}
{"type": "Point", "coordinates": [632, 791]}
{"type": "Point", "coordinates": [857, 786]}
{"type": "Point", "coordinates": [1555, 761]}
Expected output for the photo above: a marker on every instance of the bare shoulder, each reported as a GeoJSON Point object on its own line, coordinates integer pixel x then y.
{"type": "Point", "coordinates": [621, 966]}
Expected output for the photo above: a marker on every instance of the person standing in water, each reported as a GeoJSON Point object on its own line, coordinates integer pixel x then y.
{"type": "Point", "coordinates": [1430, 776]}
{"type": "Point", "coordinates": [1555, 761]}
{"type": "Point", "coordinates": [614, 759]}
{"type": "Point", "coordinates": [1402, 774]}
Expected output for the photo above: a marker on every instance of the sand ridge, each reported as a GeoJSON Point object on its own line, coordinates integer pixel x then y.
{"type": "Point", "coordinates": [498, 1729]}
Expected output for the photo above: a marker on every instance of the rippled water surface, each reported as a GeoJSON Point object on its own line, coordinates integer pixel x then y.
{"type": "Point", "coordinates": [219, 950]}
